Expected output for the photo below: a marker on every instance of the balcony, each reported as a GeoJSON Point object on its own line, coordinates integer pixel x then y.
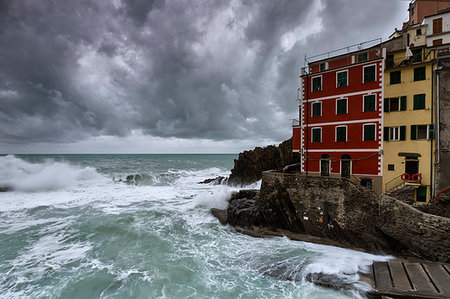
{"type": "Point", "coordinates": [296, 123]}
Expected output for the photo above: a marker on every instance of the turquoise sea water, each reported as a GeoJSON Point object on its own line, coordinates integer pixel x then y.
{"type": "Point", "coordinates": [73, 228]}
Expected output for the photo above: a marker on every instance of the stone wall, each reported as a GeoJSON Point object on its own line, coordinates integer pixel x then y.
{"type": "Point", "coordinates": [443, 169]}
{"type": "Point", "coordinates": [343, 211]}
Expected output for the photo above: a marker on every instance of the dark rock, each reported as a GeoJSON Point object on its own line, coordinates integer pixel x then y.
{"type": "Point", "coordinates": [249, 166]}
{"type": "Point", "coordinates": [5, 189]}
{"type": "Point", "coordinates": [220, 214]}
{"type": "Point", "coordinates": [215, 181]}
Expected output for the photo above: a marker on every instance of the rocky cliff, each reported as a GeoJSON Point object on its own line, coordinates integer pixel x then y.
{"type": "Point", "coordinates": [249, 166]}
{"type": "Point", "coordinates": [340, 211]}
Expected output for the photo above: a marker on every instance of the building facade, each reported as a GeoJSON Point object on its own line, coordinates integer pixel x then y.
{"type": "Point", "coordinates": [340, 129]}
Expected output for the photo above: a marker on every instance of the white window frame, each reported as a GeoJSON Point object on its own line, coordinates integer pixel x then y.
{"type": "Point", "coordinates": [399, 103]}
{"type": "Point", "coordinates": [348, 83]}
{"type": "Point", "coordinates": [364, 97]}
{"type": "Point", "coordinates": [312, 109]}
{"type": "Point", "coordinates": [376, 76]}
{"type": "Point", "coordinates": [312, 135]}
{"type": "Point", "coordinates": [396, 131]}
{"type": "Point", "coordinates": [346, 133]}
{"type": "Point", "coordinates": [321, 83]}
{"type": "Point", "coordinates": [364, 129]}
{"type": "Point", "coordinates": [346, 106]}
{"type": "Point", "coordinates": [417, 132]}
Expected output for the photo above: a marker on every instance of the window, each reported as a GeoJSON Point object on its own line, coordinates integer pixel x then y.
{"type": "Point", "coordinates": [417, 55]}
{"type": "Point", "coordinates": [316, 109]}
{"type": "Point", "coordinates": [369, 103]}
{"type": "Point", "coordinates": [369, 132]}
{"type": "Point", "coordinates": [419, 73]}
{"type": "Point", "coordinates": [322, 67]}
{"type": "Point", "coordinates": [437, 25]}
{"type": "Point", "coordinates": [341, 134]}
{"type": "Point", "coordinates": [419, 32]}
{"type": "Point", "coordinates": [362, 57]}
{"type": "Point", "coordinates": [395, 133]}
{"type": "Point", "coordinates": [419, 132]}
{"type": "Point", "coordinates": [316, 135]}
{"type": "Point", "coordinates": [341, 79]}
{"type": "Point", "coordinates": [341, 106]}
{"type": "Point", "coordinates": [390, 61]}
{"type": "Point", "coordinates": [369, 74]}
{"type": "Point", "coordinates": [412, 10]}
{"type": "Point", "coordinates": [395, 77]}
{"type": "Point", "coordinates": [390, 166]}
{"type": "Point", "coordinates": [419, 101]}
{"type": "Point", "coordinates": [421, 194]}
{"type": "Point", "coordinates": [317, 83]}
{"type": "Point", "coordinates": [437, 42]}
{"type": "Point", "coordinates": [392, 104]}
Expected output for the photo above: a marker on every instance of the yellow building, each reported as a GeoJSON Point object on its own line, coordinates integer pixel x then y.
{"type": "Point", "coordinates": [408, 144]}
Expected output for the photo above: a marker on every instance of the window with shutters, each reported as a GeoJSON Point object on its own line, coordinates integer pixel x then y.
{"type": "Point", "coordinates": [419, 101]}
{"type": "Point", "coordinates": [317, 109]}
{"type": "Point", "coordinates": [419, 73]}
{"type": "Point", "coordinates": [390, 61]}
{"type": "Point", "coordinates": [369, 103]}
{"type": "Point", "coordinates": [394, 104]}
{"type": "Point", "coordinates": [322, 67]}
{"type": "Point", "coordinates": [394, 133]}
{"type": "Point", "coordinates": [341, 106]}
{"type": "Point", "coordinates": [417, 55]}
{"type": "Point", "coordinates": [422, 132]}
{"type": "Point", "coordinates": [317, 83]}
{"type": "Point", "coordinates": [437, 26]}
{"type": "Point", "coordinates": [369, 73]}
{"type": "Point", "coordinates": [395, 77]}
{"type": "Point", "coordinates": [437, 42]}
{"type": "Point", "coordinates": [341, 133]}
{"type": "Point", "coordinates": [369, 132]}
{"type": "Point", "coordinates": [317, 135]}
{"type": "Point", "coordinates": [341, 79]}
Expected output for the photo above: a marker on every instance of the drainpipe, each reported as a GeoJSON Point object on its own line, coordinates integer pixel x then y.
{"type": "Point", "coordinates": [431, 141]}
{"type": "Point", "coordinates": [306, 116]}
{"type": "Point", "coordinates": [436, 132]}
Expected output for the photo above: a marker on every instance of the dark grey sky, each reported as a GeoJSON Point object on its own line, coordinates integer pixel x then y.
{"type": "Point", "coordinates": [165, 76]}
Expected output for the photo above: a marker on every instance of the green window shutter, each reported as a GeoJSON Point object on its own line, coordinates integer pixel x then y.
{"type": "Point", "coordinates": [369, 132]}
{"type": "Point", "coordinates": [342, 106]}
{"type": "Point", "coordinates": [413, 132]}
{"type": "Point", "coordinates": [369, 74]}
{"type": "Point", "coordinates": [403, 133]}
{"type": "Point", "coordinates": [386, 134]}
{"type": "Point", "coordinates": [316, 109]}
{"type": "Point", "coordinates": [431, 131]}
{"type": "Point", "coordinates": [403, 103]}
{"type": "Point", "coordinates": [342, 79]}
{"type": "Point", "coordinates": [419, 74]}
{"type": "Point", "coordinates": [386, 105]}
{"type": "Point", "coordinates": [419, 101]}
{"type": "Point", "coordinates": [395, 77]}
{"type": "Point", "coordinates": [341, 133]}
{"type": "Point", "coordinates": [369, 103]}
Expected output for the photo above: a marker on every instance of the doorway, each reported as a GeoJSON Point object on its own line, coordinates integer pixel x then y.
{"type": "Point", "coordinates": [411, 167]}
{"type": "Point", "coordinates": [325, 165]}
{"type": "Point", "coordinates": [345, 166]}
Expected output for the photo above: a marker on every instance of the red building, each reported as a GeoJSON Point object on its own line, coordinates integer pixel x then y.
{"type": "Point", "coordinates": [339, 132]}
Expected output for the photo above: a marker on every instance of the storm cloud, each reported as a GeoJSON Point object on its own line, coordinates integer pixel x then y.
{"type": "Point", "coordinates": [208, 70]}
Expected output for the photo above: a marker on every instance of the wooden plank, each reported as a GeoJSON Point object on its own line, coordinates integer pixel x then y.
{"type": "Point", "coordinates": [439, 276]}
{"type": "Point", "coordinates": [382, 276]}
{"type": "Point", "coordinates": [419, 279]}
{"type": "Point", "coordinates": [399, 277]}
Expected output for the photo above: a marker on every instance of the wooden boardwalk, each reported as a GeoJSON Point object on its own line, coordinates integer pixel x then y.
{"type": "Point", "coordinates": [403, 279]}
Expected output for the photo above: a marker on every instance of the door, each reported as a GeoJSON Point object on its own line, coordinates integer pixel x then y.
{"type": "Point", "coordinates": [324, 165]}
{"type": "Point", "coordinates": [345, 166]}
{"type": "Point", "coordinates": [411, 167]}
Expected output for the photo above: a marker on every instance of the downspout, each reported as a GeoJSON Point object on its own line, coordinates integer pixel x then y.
{"type": "Point", "coordinates": [431, 140]}
{"type": "Point", "coordinates": [436, 132]}
{"type": "Point", "coordinates": [306, 116]}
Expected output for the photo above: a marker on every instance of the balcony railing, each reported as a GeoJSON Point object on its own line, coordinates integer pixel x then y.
{"type": "Point", "coordinates": [295, 122]}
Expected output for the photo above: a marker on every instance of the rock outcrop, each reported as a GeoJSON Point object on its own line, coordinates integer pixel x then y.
{"type": "Point", "coordinates": [338, 210]}
{"type": "Point", "coordinates": [249, 166]}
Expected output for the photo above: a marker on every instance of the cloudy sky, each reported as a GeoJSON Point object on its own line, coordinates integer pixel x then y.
{"type": "Point", "coordinates": [155, 76]}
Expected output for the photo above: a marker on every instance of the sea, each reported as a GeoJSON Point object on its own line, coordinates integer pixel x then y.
{"type": "Point", "coordinates": [139, 226]}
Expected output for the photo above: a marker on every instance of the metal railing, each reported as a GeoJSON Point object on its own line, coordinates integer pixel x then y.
{"type": "Point", "coordinates": [394, 184]}
{"type": "Point", "coordinates": [296, 122]}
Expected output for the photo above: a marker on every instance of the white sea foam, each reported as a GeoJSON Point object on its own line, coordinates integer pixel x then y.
{"type": "Point", "coordinates": [21, 175]}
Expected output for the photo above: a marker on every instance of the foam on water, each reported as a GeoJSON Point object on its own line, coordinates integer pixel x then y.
{"type": "Point", "coordinates": [96, 237]}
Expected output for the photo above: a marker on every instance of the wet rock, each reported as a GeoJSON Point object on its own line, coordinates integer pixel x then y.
{"type": "Point", "coordinates": [5, 189]}
{"type": "Point", "coordinates": [220, 214]}
{"type": "Point", "coordinates": [249, 166]}
{"type": "Point", "coordinates": [215, 181]}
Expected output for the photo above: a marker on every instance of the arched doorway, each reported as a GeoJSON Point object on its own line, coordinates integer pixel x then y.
{"type": "Point", "coordinates": [325, 165]}
{"type": "Point", "coordinates": [345, 166]}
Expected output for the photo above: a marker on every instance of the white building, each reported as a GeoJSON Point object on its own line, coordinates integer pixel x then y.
{"type": "Point", "coordinates": [438, 28]}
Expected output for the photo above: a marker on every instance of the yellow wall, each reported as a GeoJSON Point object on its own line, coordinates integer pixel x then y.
{"type": "Point", "coordinates": [408, 87]}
